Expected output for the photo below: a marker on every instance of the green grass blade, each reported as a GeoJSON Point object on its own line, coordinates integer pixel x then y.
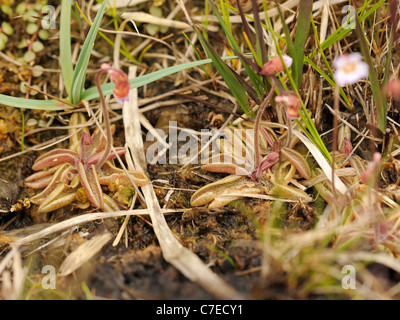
{"type": "Point", "coordinates": [233, 83]}
{"type": "Point", "coordinates": [286, 30]}
{"type": "Point", "coordinates": [92, 93]}
{"type": "Point", "coordinates": [373, 78]}
{"type": "Point", "coordinates": [65, 45]}
{"type": "Point", "coordinates": [327, 78]}
{"type": "Point", "coordinates": [196, 52]}
{"type": "Point", "coordinates": [246, 27]}
{"type": "Point", "coordinates": [303, 27]}
{"type": "Point", "coordinates": [255, 79]}
{"type": "Point", "coordinates": [261, 48]}
{"type": "Point", "coordinates": [52, 105]}
{"type": "Point", "coordinates": [340, 32]}
{"type": "Point", "coordinates": [349, 105]}
{"type": "Point", "coordinates": [84, 56]}
{"type": "Point", "coordinates": [309, 129]}
{"type": "Point", "coordinates": [107, 88]}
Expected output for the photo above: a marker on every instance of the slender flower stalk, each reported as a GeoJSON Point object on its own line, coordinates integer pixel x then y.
{"type": "Point", "coordinates": [269, 69]}
{"type": "Point", "coordinates": [121, 93]}
{"type": "Point", "coordinates": [257, 124]}
{"type": "Point", "coordinates": [335, 137]}
{"type": "Point", "coordinates": [349, 70]}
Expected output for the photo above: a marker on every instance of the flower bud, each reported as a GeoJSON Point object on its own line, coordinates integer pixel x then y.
{"type": "Point", "coordinates": [393, 88]}
{"type": "Point", "coordinates": [122, 85]}
{"type": "Point", "coordinates": [292, 105]}
{"type": "Point", "coordinates": [275, 65]}
{"type": "Point", "coordinates": [370, 172]}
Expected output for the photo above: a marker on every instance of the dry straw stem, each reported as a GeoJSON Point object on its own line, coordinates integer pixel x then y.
{"type": "Point", "coordinates": [67, 224]}
{"type": "Point", "coordinates": [148, 18]}
{"type": "Point", "coordinates": [119, 4]}
{"type": "Point", "coordinates": [84, 253]}
{"type": "Point", "coordinates": [12, 286]}
{"type": "Point", "coordinates": [321, 160]}
{"type": "Point", "coordinates": [273, 12]}
{"type": "Point", "coordinates": [182, 258]}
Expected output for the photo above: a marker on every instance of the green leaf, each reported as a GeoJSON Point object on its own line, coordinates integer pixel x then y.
{"type": "Point", "coordinates": [328, 79]}
{"type": "Point", "coordinates": [373, 78]}
{"type": "Point", "coordinates": [261, 48]}
{"type": "Point", "coordinates": [78, 80]}
{"type": "Point", "coordinates": [108, 88]}
{"type": "Point", "coordinates": [65, 45]}
{"type": "Point", "coordinates": [340, 32]}
{"type": "Point", "coordinates": [349, 105]}
{"type": "Point", "coordinates": [255, 79]}
{"type": "Point", "coordinates": [32, 103]}
{"type": "Point", "coordinates": [303, 27]}
{"type": "Point", "coordinates": [286, 30]}
{"type": "Point", "coordinates": [234, 85]}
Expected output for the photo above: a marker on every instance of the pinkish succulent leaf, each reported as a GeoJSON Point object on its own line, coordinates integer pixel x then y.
{"type": "Point", "coordinates": [98, 141]}
{"type": "Point", "coordinates": [208, 193]}
{"type": "Point", "coordinates": [61, 176]}
{"type": "Point", "coordinates": [37, 183]}
{"type": "Point", "coordinates": [54, 158]}
{"type": "Point", "coordinates": [91, 185]}
{"type": "Point", "coordinates": [270, 160]}
{"type": "Point", "coordinates": [229, 168]}
{"type": "Point", "coordinates": [57, 200]}
{"type": "Point", "coordinates": [139, 178]}
{"type": "Point", "coordinates": [97, 156]}
{"type": "Point", "coordinates": [86, 142]}
{"type": "Point", "coordinates": [298, 162]}
{"type": "Point", "coordinates": [41, 179]}
{"type": "Point", "coordinates": [267, 136]}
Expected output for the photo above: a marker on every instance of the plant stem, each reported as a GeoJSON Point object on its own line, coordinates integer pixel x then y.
{"type": "Point", "coordinates": [22, 130]}
{"type": "Point", "coordinates": [257, 125]}
{"type": "Point", "coordinates": [335, 133]}
{"type": "Point", "coordinates": [289, 137]}
{"type": "Point", "coordinates": [106, 118]}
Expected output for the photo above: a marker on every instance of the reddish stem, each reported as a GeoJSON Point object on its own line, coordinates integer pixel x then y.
{"type": "Point", "coordinates": [257, 124]}
{"type": "Point", "coordinates": [335, 137]}
{"type": "Point", "coordinates": [106, 118]}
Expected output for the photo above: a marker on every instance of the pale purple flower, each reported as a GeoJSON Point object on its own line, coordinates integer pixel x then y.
{"type": "Point", "coordinates": [349, 69]}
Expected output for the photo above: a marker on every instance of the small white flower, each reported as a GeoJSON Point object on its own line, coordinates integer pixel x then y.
{"type": "Point", "coordinates": [349, 69]}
